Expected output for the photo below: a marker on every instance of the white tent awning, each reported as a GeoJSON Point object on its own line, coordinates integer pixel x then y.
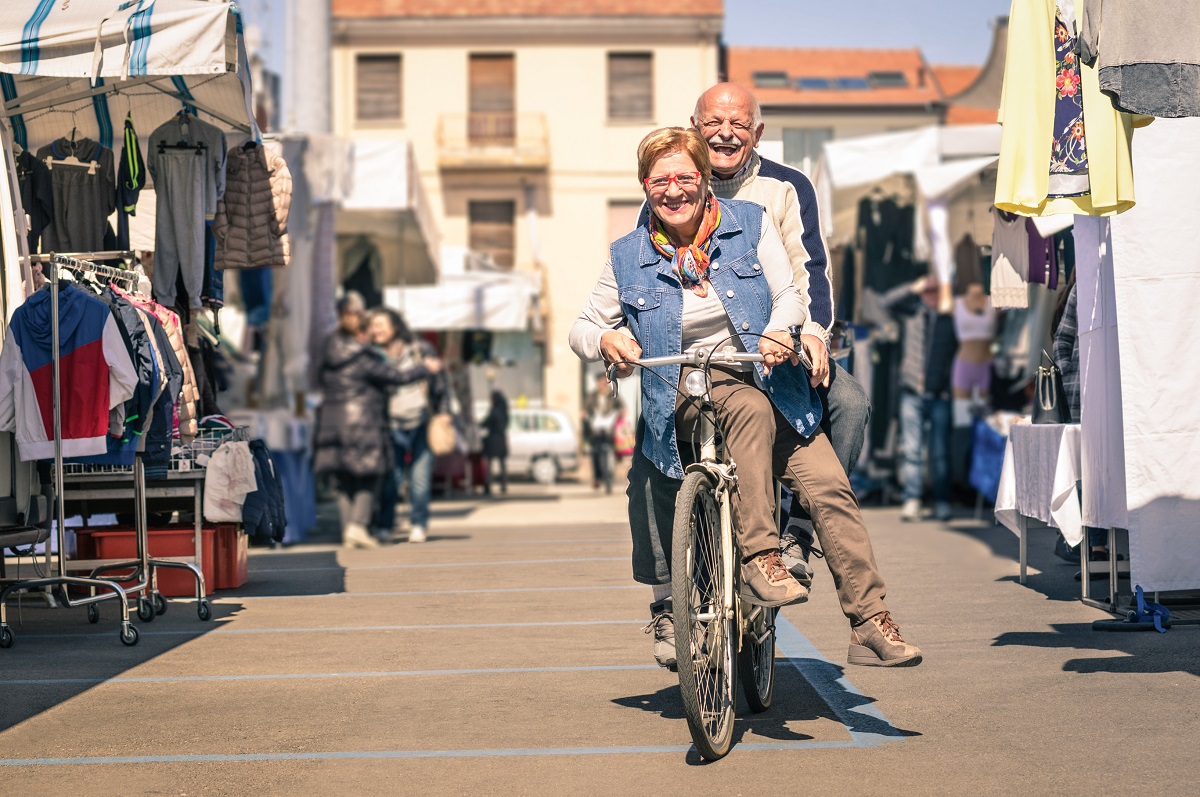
{"type": "Point", "coordinates": [85, 65]}
{"type": "Point", "coordinates": [491, 301]}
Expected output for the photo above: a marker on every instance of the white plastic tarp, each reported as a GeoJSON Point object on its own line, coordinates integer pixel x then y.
{"type": "Point", "coordinates": [87, 64]}
{"type": "Point", "coordinates": [1156, 266]}
{"type": "Point", "coordinates": [496, 302]}
{"type": "Point", "coordinates": [940, 160]}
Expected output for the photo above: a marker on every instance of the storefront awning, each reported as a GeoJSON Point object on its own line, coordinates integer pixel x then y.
{"type": "Point", "coordinates": [499, 302]}
{"type": "Point", "coordinates": [89, 63]}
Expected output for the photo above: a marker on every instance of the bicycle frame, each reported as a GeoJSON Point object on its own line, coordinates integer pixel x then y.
{"type": "Point", "coordinates": [724, 474]}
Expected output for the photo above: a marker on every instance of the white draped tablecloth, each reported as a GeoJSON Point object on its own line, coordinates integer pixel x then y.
{"type": "Point", "coordinates": [1038, 480]}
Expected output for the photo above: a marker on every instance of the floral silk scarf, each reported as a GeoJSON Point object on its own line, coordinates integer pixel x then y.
{"type": "Point", "coordinates": [690, 262]}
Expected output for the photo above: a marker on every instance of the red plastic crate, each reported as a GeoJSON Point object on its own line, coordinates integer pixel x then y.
{"type": "Point", "coordinates": [232, 556]}
{"type": "Point", "coordinates": [172, 582]}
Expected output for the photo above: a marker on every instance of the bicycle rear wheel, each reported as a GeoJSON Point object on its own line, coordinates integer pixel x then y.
{"type": "Point", "coordinates": [704, 630]}
{"type": "Point", "coordinates": [756, 659]}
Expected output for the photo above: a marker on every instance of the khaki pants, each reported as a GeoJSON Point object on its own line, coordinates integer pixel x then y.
{"type": "Point", "coordinates": [806, 466]}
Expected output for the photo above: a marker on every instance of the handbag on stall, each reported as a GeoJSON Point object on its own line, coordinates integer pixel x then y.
{"type": "Point", "coordinates": [1049, 396]}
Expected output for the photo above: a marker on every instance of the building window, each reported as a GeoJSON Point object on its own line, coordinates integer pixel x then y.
{"type": "Point", "coordinates": [377, 86]}
{"type": "Point", "coordinates": [888, 80]}
{"type": "Point", "coordinates": [630, 87]}
{"type": "Point", "coordinates": [853, 83]}
{"type": "Point", "coordinates": [492, 98]}
{"type": "Point", "coordinates": [771, 80]}
{"type": "Point", "coordinates": [493, 230]}
{"type": "Point", "coordinates": [802, 146]}
{"type": "Point", "coordinates": [814, 83]}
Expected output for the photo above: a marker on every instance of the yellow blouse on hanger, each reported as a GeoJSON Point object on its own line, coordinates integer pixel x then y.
{"type": "Point", "coordinates": [1027, 114]}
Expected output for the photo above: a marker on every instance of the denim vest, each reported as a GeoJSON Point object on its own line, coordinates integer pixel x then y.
{"type": "Point", "coordinates": [652, 300]}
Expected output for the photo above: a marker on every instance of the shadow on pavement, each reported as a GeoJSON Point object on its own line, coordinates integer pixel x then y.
{"type": "Point", "coordinates": [798, 688]}
{"type": "Point", "coordinates": [292, 573]}
{"type": "Point", "coordinates": [1054, 577]}
{"type": "Point", "coordinates": [59, 656]}
{"type": "Point", "coordinates": [1143, 651]}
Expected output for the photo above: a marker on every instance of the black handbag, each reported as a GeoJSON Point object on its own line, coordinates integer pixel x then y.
{"type": "Point", "coordinates": [1049, 396]}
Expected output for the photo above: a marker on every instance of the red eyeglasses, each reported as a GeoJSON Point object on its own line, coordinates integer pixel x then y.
{"type": "Point", "coordinates": [684, 180]}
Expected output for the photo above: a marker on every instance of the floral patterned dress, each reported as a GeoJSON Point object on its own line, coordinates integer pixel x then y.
{"type": "Point", "coordinates": [1068, 152]}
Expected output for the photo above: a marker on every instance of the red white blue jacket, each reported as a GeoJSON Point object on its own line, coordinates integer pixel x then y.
{"type": "Point", "coordinates": [96, 374]}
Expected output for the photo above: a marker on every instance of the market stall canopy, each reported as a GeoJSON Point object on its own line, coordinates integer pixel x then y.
{"type": "Point", "coordinates": [939, 159]}
{"type": "Point", "coordinates": [498, 301]}
{"type": "Point", "coordinates": [387, 203]}
{"type": "Point", "coordinates": [87, 64]}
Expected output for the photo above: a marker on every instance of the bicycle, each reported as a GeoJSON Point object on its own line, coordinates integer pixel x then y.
{"type": "Point", "coordinates": [709, 615]}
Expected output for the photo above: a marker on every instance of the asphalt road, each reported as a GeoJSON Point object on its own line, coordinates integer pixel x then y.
{"type": "Point", "coordinates": [505, 656]}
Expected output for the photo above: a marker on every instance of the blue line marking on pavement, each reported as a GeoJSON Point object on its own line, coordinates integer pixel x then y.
{"type": "Point", "coordinates": [865, 722]}
{"type": "Point", "coordinates": [306, 676]}
{"type": "Point", "coordinates": [219, 631]}
{"type": "Point", "coordinates": [401, 754]}
{"type": "Point", "coordinates": [502, 563]}
{"type": "Point", "coordinates": [235, 599]}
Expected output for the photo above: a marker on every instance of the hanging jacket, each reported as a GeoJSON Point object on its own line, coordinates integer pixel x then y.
{"type": "Point", "coordinates": [96, 374]}
{"type": "Point", "coordinates": [189, 393]}
{"type": "Point", "coordinates": [263, 513]}
{"type": "Point", "coordinates": [228, 479]}
{"type": "Point", "coordinates": [251, 221]}
{"type": "Point", "coordinates": [1027, 115]}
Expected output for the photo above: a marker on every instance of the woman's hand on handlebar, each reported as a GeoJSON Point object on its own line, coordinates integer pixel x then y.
{"type": "Point", "coordinates": [776, 349]}
{"type": "Point", "coordinates": [616, 347]}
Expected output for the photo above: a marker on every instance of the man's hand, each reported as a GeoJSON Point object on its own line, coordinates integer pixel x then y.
{"type": "Point", "coordinates": [818, 355]}
{"type": "Point", "coordinates": [617, 346]}
{"type": "Point", "coordinates": [776, 349]}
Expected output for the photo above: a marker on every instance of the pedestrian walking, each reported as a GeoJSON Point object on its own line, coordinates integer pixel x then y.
{"type": "Point", "coordinates": [600, 426]}
{"type": "Point", "coordinates": [351, 438]}
{"type": "Point", "coordinates": [410, 408]}
{"type": "Point", "coordinates": [495, 440]}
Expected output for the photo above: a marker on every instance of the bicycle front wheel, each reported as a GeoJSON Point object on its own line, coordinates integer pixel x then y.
{"type": "Point", "coordinates": [704, 629]}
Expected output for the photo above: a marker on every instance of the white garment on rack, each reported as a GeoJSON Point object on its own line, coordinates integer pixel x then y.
{"type": "Point", "coordinates": [227, 481]}
{"type": "Point", "coordinates": [1010, 263]}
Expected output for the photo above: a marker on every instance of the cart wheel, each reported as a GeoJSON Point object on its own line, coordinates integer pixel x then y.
{"type": "Point", "coordinates": [129, 636]}
{"type": "Point", "coordinates": [145, 610]}
{"type": "Point", "coordinates": [93, 613]}
{"type": "Point", "coordinates": [6, 638]}
{"type": "Point", "coordinates": [203, 610]}
{"type": "Point", "coordinates": [160, 603]}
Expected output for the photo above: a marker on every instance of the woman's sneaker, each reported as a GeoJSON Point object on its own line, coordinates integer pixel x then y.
{"type": "Point", "coordinates": [662, 625]}
{"type": "Point", "coordinates": [767, 582]}
{"type": "Point", "coordinates": [795, 559]}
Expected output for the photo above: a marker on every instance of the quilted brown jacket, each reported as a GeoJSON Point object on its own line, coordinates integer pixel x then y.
{"type": "Point", "coordinates": [251, 221]}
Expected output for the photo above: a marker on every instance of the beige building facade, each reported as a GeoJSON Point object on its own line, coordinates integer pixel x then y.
{"type": "Point", "coordinates": [524, 128]}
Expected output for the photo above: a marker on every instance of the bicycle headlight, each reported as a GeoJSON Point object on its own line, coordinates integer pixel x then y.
{"type": "Point", "coordinates": [695, 384]}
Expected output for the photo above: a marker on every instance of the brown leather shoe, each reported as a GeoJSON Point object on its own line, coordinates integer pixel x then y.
{"type": "Point", "coordinates": [877, 643]}
{"type": "Point", "coordinates": [767, 582]}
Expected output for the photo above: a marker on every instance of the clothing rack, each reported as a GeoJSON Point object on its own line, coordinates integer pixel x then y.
{"type": "Point", "coordinates": [114, 591]}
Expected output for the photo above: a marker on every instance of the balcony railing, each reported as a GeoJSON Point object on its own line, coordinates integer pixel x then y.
{"type": "Point", "coordinates": [493, 141]}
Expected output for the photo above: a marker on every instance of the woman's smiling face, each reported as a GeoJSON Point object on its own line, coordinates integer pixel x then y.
{"type": "Point", "coordinates": [677, 206]}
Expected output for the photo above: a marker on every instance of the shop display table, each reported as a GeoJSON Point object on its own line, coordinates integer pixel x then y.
{"type": "Point", "coordinates": [1038, 481]}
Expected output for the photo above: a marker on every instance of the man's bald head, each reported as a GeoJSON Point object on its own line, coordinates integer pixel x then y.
{"type": "Point", "coordinates": [728, 94]}
{"type": "Point", "coordinates": [730, 120]}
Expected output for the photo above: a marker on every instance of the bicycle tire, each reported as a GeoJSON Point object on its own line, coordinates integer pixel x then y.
{"type": "Point", "coordinates": [703, 648]}
{"type": "Point", "coordinates": [756, 661]}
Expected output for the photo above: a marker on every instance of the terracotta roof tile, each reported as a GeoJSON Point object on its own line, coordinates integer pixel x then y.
{"type": "Point", "coordinates": [962, 115]}
{"type": "Point", "coordinates": [919, 86]}
{"type": "Point", "coordinates": [360, 9]}
{"type": "Point", "coordinates": [954, 79]}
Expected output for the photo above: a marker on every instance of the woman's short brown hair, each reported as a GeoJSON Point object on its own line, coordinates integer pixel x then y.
{"type": "Point", "coordinates": [669, 140]}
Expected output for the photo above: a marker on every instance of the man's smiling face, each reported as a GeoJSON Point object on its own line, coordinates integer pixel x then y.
{"type": "Point", "coordinates": [726, 118]}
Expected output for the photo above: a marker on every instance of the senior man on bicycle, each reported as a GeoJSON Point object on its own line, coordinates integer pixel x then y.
{"type": "Point", "coordinates": [702, 273]}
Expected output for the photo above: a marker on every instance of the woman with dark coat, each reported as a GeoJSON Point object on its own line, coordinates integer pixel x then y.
{"type": "Point", "coordinates": [352, 440]}
{"type": "Point", "coordinates": [495, 439]}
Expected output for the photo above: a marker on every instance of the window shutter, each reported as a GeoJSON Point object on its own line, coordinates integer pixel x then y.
{"type": "Point", "coordinates": [377, 82]}
{"type": "Point", "coordinates": [630, 87]}
{"type": "Point", "coordinates": [492, 230]}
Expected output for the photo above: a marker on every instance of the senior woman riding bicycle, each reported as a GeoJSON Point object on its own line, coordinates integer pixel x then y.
{"type": "Point", "coordinates": [706, 273]}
